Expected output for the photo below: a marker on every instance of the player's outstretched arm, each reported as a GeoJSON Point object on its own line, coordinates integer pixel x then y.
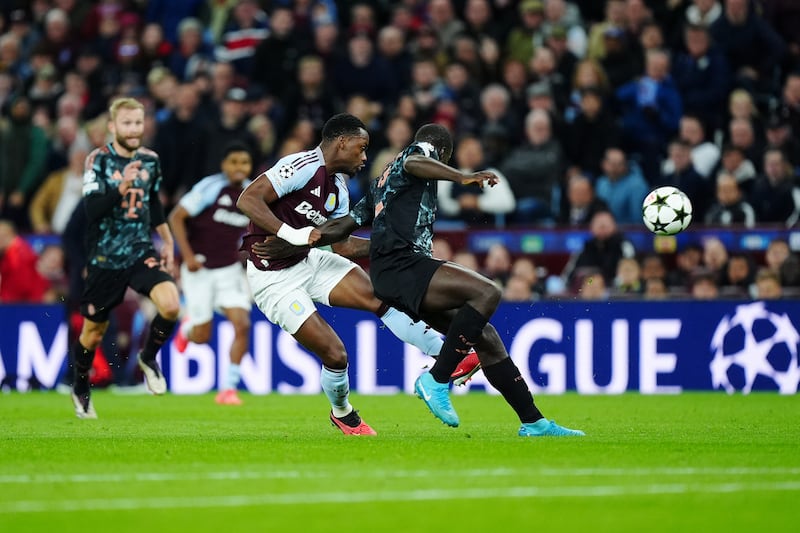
{"type": "Point", "coordinates": [428, 168]}
{"type": "Point", "coordinates": [177, 223]}
{"type": "Point", "coordinates": [352, 247]}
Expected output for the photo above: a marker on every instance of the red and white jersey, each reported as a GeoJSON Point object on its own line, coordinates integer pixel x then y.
{"type": "Point", "coordinates": [307, 196]}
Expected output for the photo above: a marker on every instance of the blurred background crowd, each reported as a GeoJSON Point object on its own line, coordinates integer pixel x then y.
{"type": "Point", "coordinates": [581, 107]}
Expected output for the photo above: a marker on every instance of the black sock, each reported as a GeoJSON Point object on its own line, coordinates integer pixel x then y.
{"type": "Point", "coordinates": [160, 331]}
{"type": "Point", "coordinates": [464, 332]}
{"type": "Point", "coordinates": [505, 377]}
{"type": "Point", "coordinates": [82, 360]}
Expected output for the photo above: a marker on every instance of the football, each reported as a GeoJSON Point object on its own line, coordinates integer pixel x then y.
{"type": "Point", "coordinates": [666, 211]}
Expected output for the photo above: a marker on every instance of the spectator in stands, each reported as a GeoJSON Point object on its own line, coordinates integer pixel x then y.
{"type": "Point", "coordinates": [564, 18]}
{"type": "Point", "coordinates": [655, 289]}
{"type": "Point", "coordinates": [517, 289]}
{"type": "Point", "coordinates": [653, 267]}
{"type": "Point", "coordinates": [231, 126]}
{"type": "Point", "coordinates": [581, 204]}
{"type": "Point", "coordinates": [534, 169]}
{"type": "Point", "coordinates": [768, 285]}
{"type": "Point", "coordinates": [775, 197]}
{"type": "Point", "coordinates": [651, 112]}
{"type": "Point", "coordinates": [603, 250]}
{"type": "Point", "coordinates": [443, 20]}
{"type": "Point", "coordinates": [23, 147]}
{"type": "Point", "coordinates": [51, 267]}
{"type": "Point", "coordinates": [524, 268]}
{"type": "Point", "coordinates": [743, 136]}
{"type": "Point", "coordinates": [715, 257]}
{"type": "Point", "coordinates": [737, 276]}
{"type": "Point", "coordinates": [591, 285]}
{"type": "Point", "coordinates": [363, 72]}
{"type": "Point", "coordinates": [497, 264]}
{"type": "Point", "coordinates": [705, 154]}
{"type": "Point", "coordinates": [622, 187]}
{"type": "Point", "coordinates": [473, 205]}
{"type": "Point", "coordinates": [742, 106]}
{"type": "Point", "coordinates": [479, 22]}
{"type": "Point", "coordinates": [687, 260]}
{"type": "Point", "coordinates": [246, 27]}
{"type": "Point", "coordinates": [465, 95]}
{"type": "Point", "coordinates": [628, 279]}
{"type": "Point", "coordinates": [190, 51]}
{"type": "Point", "coordinates": [704, 285]}
{"type": "Point", "coordinates": [497, 113]}
{"type": "Point", "coordinates": [614, 19]}
{"type": "Point", "coordinates": [703, 12]}
{"type": "Point", "coordinates": [312, 99]}
{"type": "Point", "coordinates": [427, 87]}
{"type": "Point", "coordinates": [180, 143]}
{"type": "Point", "coordinates": [754, 50]}
{"type": "Point", "coordinates": [540, 96]}
{"type": "Point", "coordinates": [779, 135]}
{"type": "Point", "coordinates": [398, 134]}
{"type": "Point", "coordinates": [593, 131]}
{"type": "Point", "coordinates": [543, 72]}
{"type": "Point", "coordinates": [735, 163]}
{"type": "Point", "coordinates": [686, 178]}
{"type": "Point", "coordinates": [588, 74]}
{"type": "Point", "coordinates": [780, 259]}
{"type": "Point", "coordinates": [54, 201]}
{"type": "Point", "coordinates": [565, 59]}
{"type": "Point", "coordinates": [730, 209]}
{"type": "Point", "coordinates": [619, 61]}
{"type": "Point", "coordinates": [789, 107]}
{"type": "Point", "coordinates": [528, 33]}
{"type": "Point", "coordinates": [20, 282]}
{"type": "Point", "coordinates": [275, 58]}
{"type": "Point", "coordinates": [702, 76]}
{"type": "Point", "coordinates": [393, 50]}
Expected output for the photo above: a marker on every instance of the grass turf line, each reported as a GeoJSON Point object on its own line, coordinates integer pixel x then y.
{"type": "Point", "coordinates": [692, 461]}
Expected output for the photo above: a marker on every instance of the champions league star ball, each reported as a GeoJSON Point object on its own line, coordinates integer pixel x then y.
{"type": "Point", "coordinates": [666, 211]}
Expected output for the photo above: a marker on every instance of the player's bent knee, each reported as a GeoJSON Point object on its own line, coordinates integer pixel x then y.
{"type": "Point", "coordinates": [335, 359]}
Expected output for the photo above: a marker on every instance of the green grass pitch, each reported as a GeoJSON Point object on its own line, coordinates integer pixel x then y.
{"type": "Point", "coordinates": [691, 462]}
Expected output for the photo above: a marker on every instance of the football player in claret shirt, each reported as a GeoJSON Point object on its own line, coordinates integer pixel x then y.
{"type": "Point", "coordinates": [303, 190]}
{"type": "Point", "coordinates": [208, 229]}
{"type": "Point", "coordinates": [120, 193]}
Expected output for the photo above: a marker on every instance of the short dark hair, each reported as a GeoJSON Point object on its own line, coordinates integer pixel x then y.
{"type": "Point", "coordinates": [236, 146]}
{"type": "Point", "coordinates": [342, 124]}
{"type": "Point", "coordinates": [438, 136]}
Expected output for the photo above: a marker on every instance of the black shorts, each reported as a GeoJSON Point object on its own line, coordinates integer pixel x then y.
{"type": "Point", "coordinates": [104, 288]}
{"type": "Point", "coordinates": [401, 279]}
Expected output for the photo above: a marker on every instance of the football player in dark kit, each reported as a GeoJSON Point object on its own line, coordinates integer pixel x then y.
{"type": "Point", "coordinates": [120, 193]}
{"type": "Point", "coordinates": [401, 205]}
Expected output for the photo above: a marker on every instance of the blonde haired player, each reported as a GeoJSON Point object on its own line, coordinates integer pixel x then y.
{"type": "Point", "coordinates": [120, 193]}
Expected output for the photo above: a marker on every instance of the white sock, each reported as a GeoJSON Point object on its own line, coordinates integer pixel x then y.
{"type": "Point", "coordinates": [417, 333]}
{"type": "Point", "coordinates": [336, 385]}
{"type": "Point", "coordinates": [234, 374]}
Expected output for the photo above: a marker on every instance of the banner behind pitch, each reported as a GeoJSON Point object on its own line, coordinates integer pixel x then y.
{"type": "Point", "coordinates": [591, 347]}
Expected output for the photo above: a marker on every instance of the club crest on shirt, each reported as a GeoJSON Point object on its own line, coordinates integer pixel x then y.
{"type": "Point", "coordinates": [330, 202]}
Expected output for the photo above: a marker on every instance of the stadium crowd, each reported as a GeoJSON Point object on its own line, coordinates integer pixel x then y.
{"type": "Point", "coordinates": [580, 106]}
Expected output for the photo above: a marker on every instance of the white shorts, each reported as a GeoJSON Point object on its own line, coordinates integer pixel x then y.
{"type": "Point", "coordinates": [211, 289]}
{"type": "Point", "coordinates": [286, 297]}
